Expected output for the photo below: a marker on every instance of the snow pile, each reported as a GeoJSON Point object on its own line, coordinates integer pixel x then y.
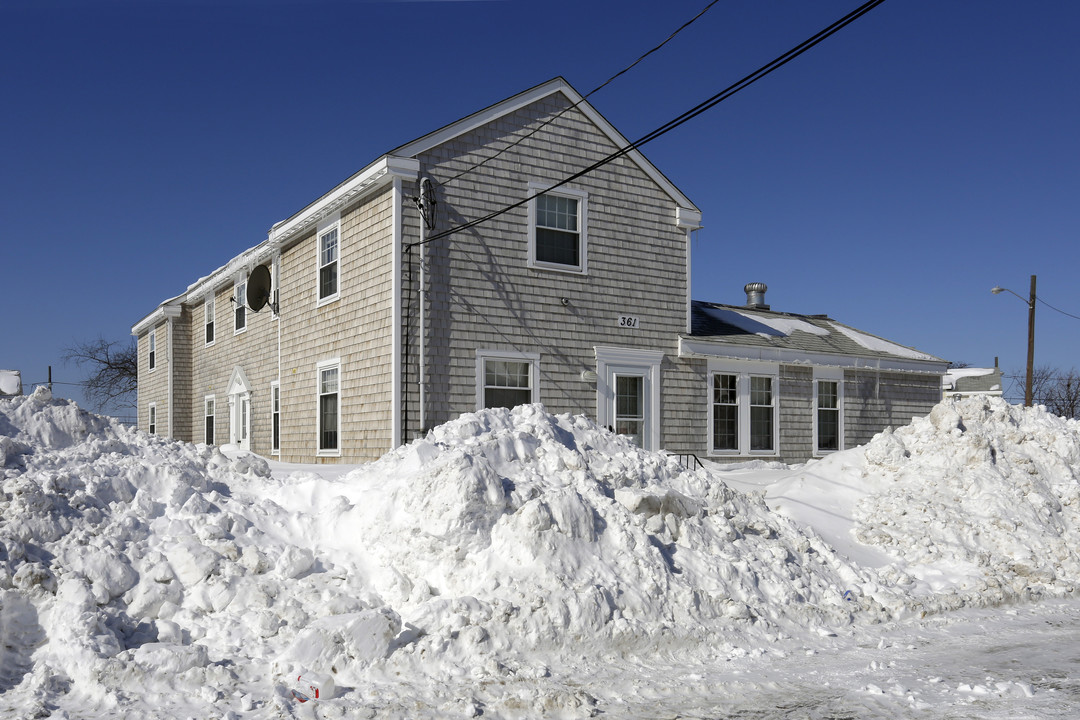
{"type": "Point", "coordinates": [982, 490]}
{"type": "Point", "coordinates": [464, 573]}
{"type": "Point", "coordinates": [136, 571]}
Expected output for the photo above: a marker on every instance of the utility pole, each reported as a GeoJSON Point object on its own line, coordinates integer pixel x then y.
{"type": "Point", "coordinates": [1031, 345]}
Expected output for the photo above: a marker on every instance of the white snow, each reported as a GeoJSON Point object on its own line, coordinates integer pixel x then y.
{"type": "Point", "coordinates": [519, 564]}
{"type": "Point", "coordinates": [766, 326]}
{"type": "Point", "coordinates": [877, 344]}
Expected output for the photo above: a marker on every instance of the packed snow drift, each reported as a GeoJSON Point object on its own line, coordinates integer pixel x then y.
{"type": "Point", "coordinates": [460, 574]}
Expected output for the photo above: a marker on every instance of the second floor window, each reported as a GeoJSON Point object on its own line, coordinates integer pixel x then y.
{"type": "Point", "coordinates": [557, 235]}
{"type": "Point", "coordinates": [328, 264]}
{"type": "Point", "coordinates": [240, 296]}
{"type": "Point", "coordinates": [208, 321]}
{"type": "Point", "coordinates": [153, 349]}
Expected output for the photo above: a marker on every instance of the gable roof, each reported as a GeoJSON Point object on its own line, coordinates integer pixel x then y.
{"type": "Point", "coordinates": [754, 333]}
{"type": "Point", "coordinates": [523, 99]}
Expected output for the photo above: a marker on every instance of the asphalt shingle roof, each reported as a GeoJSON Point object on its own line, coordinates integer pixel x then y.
{"type": "Point", "coordinates": [756, 327]}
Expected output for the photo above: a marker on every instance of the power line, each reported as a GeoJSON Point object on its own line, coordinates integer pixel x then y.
{"type": "Point", "coordinates": [595, 90]}
{"type": "Point", "coordinates": [681, 119]}
{"type": "Point", "coordinates": [1075, 317]}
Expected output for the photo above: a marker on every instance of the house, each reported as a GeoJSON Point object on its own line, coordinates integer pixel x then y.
{"type": "Point", "coordinates": [382, 309]}
{"type": "Point", "coordinates": [962, 382]}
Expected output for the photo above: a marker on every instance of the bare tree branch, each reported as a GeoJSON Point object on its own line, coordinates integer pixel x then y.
{"type": "Point", "coordinates": [113, 371]}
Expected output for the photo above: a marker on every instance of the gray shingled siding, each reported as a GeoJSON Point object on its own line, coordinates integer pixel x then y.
{"type": "Point", "coordinates": [181, 352]}
{"type": "Point", "coordinates": [796, 413]}
{"type": "Point", "coordinates": [483, 295]}
{"type": "Point", "coordinates": [876, 400]}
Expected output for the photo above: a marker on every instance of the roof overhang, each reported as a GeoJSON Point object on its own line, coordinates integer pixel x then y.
{"type": "Point", "coordinates": [168, 310]}
{"type": "Point", "coordinates": [700, 348]}
{"type": "Point", "coordinates": [375, 176]}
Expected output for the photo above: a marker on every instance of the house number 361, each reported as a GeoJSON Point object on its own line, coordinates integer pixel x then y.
{"type": "Point", "coordinates": [628, 321]}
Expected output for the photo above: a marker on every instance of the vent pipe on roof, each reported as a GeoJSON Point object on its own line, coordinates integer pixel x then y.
{"type": "Point", "coordinates": [755, 295]}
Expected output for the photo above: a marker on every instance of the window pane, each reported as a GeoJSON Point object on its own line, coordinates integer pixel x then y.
{"type": "Point", "coordinates": [328, 381]}
{"type": "Point", "coordinates": [328, 422]}
{"type": "Point", "coordinates": [329, 247]}
{"type": "Point", "coordinates": [556, 246]}
{"type": "Point", "coordinates": [761, 391]}
{"type": "Point", "coordinates": [630, 406]}
{"type": "Point", "coordinates": [553, 211]}
{"type": "Point", "coordinates": [628, 397]}
{"type": "Point", "coordinates": [724, 389]}
{"type": "Point", "coordinates": [209, 439]}
{"type": "Point", "coordinates": [761, 428]}
{"type": "Point", "coordinates": [505, 397]}
{"type": "Point", "coordinates": [828, 429]}
{"type": "Point", "coordinates": [725, 427]}
{"type": "Point", "coordinates": [328, 281]}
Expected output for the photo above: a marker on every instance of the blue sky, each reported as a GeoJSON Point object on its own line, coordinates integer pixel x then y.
{"type": "Point", "coordinates": [889, 177]}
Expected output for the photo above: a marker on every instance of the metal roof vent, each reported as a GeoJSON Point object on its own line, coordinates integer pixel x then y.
{"type": "Point", "coordinates": [755, 295]}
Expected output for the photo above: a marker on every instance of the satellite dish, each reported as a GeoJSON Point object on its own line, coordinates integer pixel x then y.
{"type": "Point", "coordinates": [258, 288]}
{"type": "Point", "coordinates": [427, 202]}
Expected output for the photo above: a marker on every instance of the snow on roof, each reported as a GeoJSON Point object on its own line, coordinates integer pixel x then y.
{"type": "Point", "coordinates": [870, 342]}
{"type": "Point", "coordinates": [764, 325]}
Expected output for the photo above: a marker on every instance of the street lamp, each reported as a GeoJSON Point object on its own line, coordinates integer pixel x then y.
{"type": "Point", "coordinates": [1031, 335]}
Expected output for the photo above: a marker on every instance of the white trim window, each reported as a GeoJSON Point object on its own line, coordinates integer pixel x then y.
{"type": "Point", "coordinates": [151, 418]}
{"type": "Point", "coordinates": [240, 301]}
{"type": "Point", "coordinates": [209, 430]}
{"type": "Point", "coordinates": [152, 360]}
{"type": "Point", "coordinates": [209, 313]}
{"type": "Point", "coordinates": [275, 418]}
{"type": "Point", "coordinates": [743, 409]}
{"type": "Point", "coordinates": [828, 412]}
{"type": "Point", "coordinates": [328, 285]}
{"type": "Point", "coordinates": [329, 408]}
{"type": "Point", "coordinates": [506, 379]}
{"type": "Point", "coordinates": [558, 229]}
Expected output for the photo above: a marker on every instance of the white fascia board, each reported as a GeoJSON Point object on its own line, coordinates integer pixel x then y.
{"type": "Point", "coordinates": [512, 104]}
{"type": "Point", "coordinates": [168, 310]}
{"type": "Point", "coordinates": [688, 219]}
{"type": "Point", "coordinates": [376, 175]}
{"type": "Point", "coordinates": [697, 348]}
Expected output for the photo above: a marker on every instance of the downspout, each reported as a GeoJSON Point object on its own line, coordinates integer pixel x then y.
{"type": "Point", "coordinates": [277, 316]}
{"type": "Point", "coordinates": [172, 369]}
{"type": "Point", "coordinates": [425, 190]}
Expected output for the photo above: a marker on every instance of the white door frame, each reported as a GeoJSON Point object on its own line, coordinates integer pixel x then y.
{"type": "Point", "coordinates": [239, 392]}
{"type": "Point", "coordinates": [612, 361]}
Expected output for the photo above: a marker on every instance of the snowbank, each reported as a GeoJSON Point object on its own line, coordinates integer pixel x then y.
{"type": "Point", "coordinates": [139, 574]}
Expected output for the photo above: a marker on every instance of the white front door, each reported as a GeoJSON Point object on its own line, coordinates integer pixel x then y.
{"type": "Point", "coordinates": [628, 393]}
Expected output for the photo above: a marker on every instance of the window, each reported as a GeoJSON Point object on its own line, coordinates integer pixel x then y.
{"type": "Point", "coordinates": [208, 420]}
{"type": "Point", "coordinates": [208, 319]}
{"type": "Point", "coordinates": [828, 421]}
{"type": "Point", "coordinates": [505, 379]}
{"type": "Point", "coordinates": [329, 413]}
{"type": "Point", "coordinates": [275, 418]}
{"type": "Point", "coordinates": [743, 410]}
{"type": "Point", "coordinates": [153, 348]}
{"type": "Point", "coordinates": [557, 230]}
{"type": "Point", "coordinates": [725, 412]}
{"type": "Point", "coordinates": [240, 296]}
{"type": "Point", "coordinates": [328, 262]}
{"type": "Point", "coordinates": [152, 415]}
{"type": "Point", "coordinates": [761, 413]}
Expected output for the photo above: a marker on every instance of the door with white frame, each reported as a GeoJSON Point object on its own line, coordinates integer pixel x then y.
{"type": "Point", "coordinates": [239, 391]}
{"type": "Point", "coordinates": [628, 393]}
